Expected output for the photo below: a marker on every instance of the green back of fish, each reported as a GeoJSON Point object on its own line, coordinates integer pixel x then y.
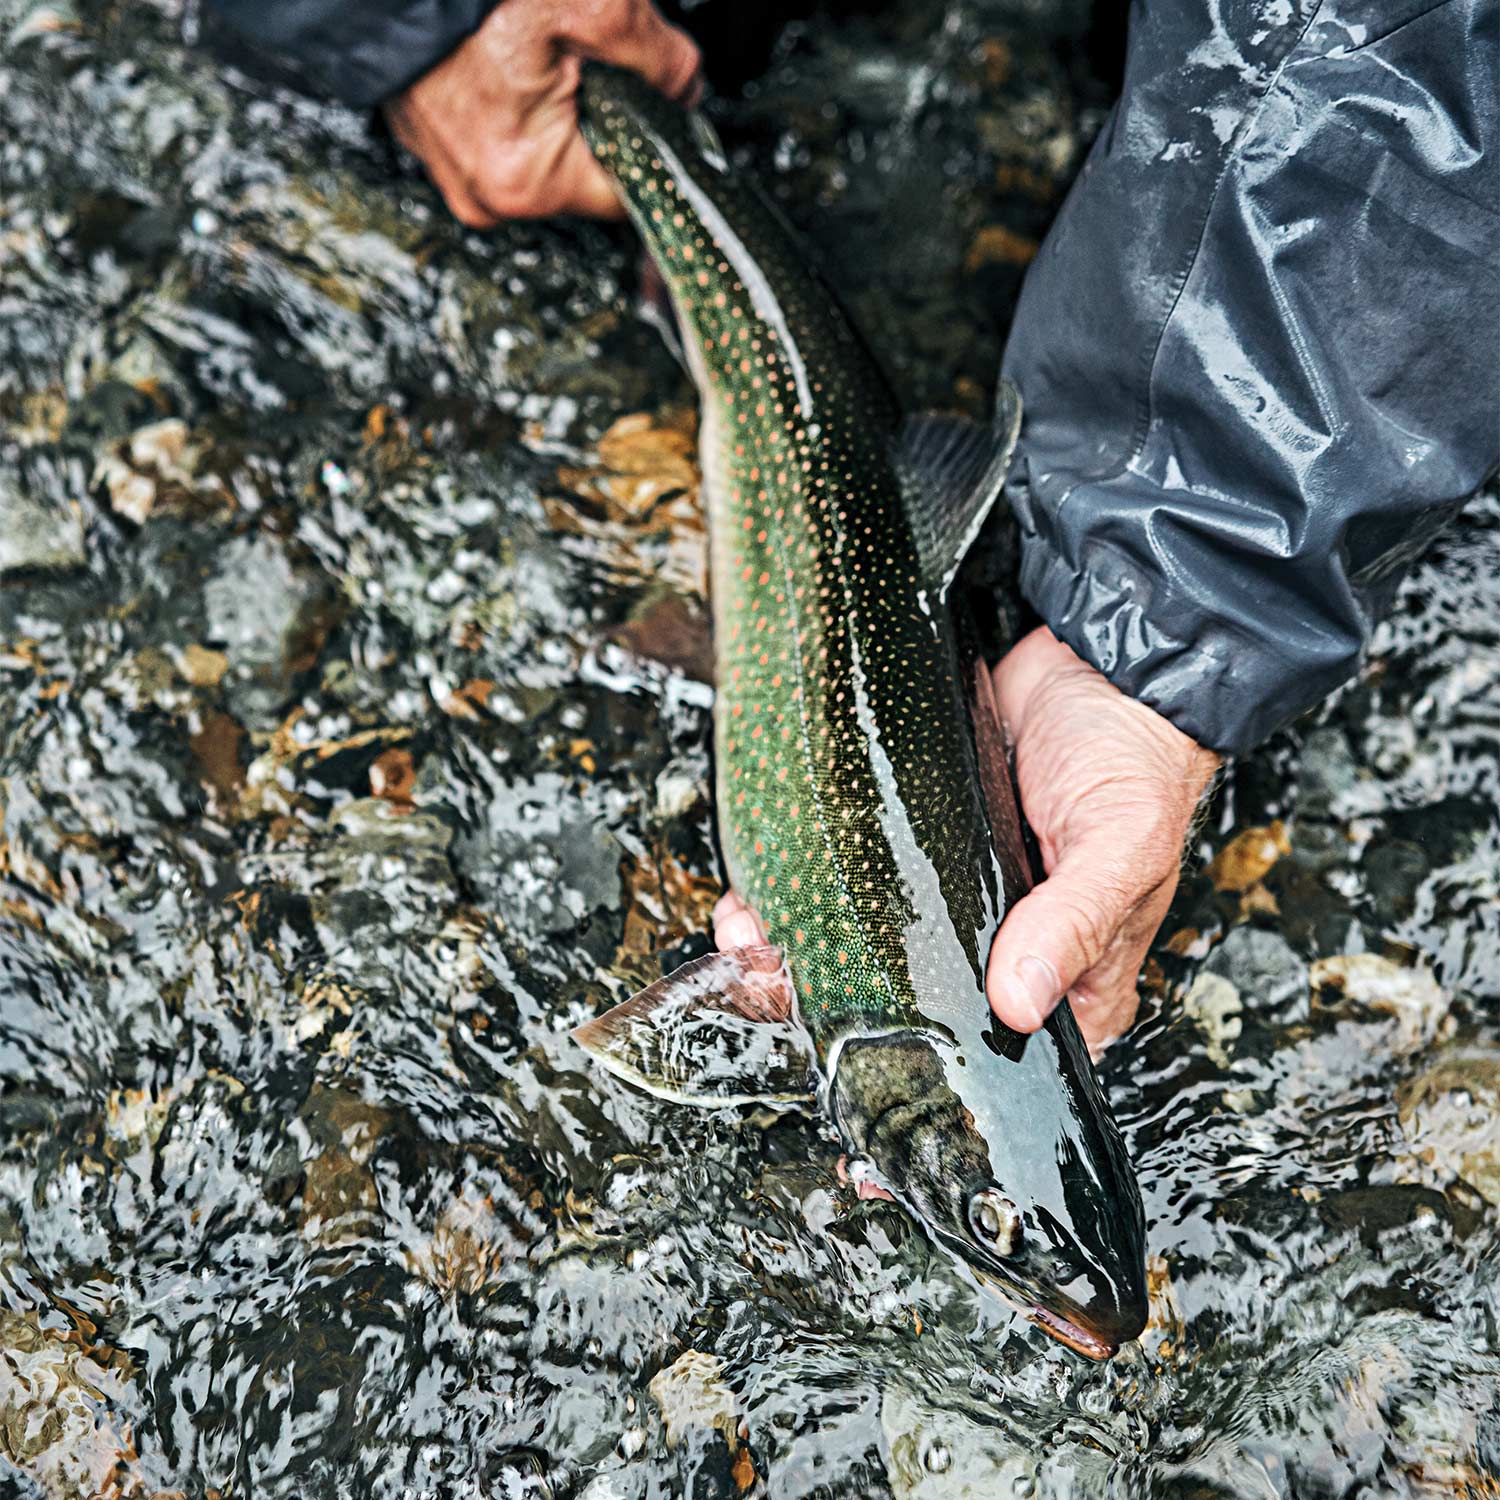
{"type": "Point", "coordinates": [850, 807]}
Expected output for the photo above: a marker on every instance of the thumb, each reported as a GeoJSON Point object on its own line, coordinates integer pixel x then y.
{"type": "Point", "coordinates": [1054, 935]}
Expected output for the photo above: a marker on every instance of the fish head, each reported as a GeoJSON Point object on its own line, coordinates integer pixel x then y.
{"type": "Point", "coordinates": [1038, 1202]}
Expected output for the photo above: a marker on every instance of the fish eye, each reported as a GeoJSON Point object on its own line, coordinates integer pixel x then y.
{"type": "Point", "coordinates": [995, 1221]}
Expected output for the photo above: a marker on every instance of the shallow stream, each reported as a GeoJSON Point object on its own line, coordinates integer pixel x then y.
{"type": "Point", "coordinates": [354, 746]}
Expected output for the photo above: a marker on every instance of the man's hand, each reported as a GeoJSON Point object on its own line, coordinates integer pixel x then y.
{"type": "Point", "coordinates": [496, 122]}
{"type": "Point", "coordinates": [1109, 788]}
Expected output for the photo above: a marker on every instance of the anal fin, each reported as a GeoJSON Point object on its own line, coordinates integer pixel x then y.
{"type": "Point", "coordinates": [721, 1030]}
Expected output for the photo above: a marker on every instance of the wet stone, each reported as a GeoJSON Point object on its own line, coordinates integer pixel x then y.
{"type": "Point", "coordinates": [1327, 774]}
{"type": "Point", "coordinates": [540, 851]}
{"type": "Point", "coordinates": [692, 1395]}
{"type": "Point", "coordinates": [1379, 1211]}
{"type": "Point", "coordinates": [41, 531]}
{"type": "Point", "coordinates": [920, 1440]}
{"type": "Point", "coordinates": [1214, 1005]}
{"type": "Point", "coordinates": [262, 613]}
{"type": "Point", "coordinates": [1448, 1114]}
{"type": "Point", "coordinates": [1263, 967]}
{"type": "Point", "coordinates": [1246, 858]}
{"type": "Point", "coordinates": [1407, 993]}
{"type": "Point", "coordinates": [1394, 873]}
{"type": "Point", "coordinates": [61, 1424]}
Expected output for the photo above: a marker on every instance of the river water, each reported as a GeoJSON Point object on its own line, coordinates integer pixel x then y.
{"type": "Point", "coordinates": [355, 746]}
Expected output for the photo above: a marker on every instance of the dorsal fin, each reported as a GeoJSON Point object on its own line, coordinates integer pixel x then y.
{"type": "Point", "coordinates": [951, 471]}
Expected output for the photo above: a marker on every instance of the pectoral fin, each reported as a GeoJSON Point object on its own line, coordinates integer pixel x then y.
{"type": "Point", "coordinates": [721, 1030]}
{"type": "Point", "coordinates": [951, 471]}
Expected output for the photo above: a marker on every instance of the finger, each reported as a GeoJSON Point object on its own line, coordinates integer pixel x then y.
{"type": "Point", "coordinates": [737, 924]}
{"type": "Point", "coordinates": [633, 34]}
{"type": "Point", "coordinates": [1113, 980]}
{"type": "Point", "coordinates": [1060, 932]}
{"type": "Point", "coordinates": [546, 170]}
{"type": "Point", "coordinates": [582, 186]}
{"type": "Point", "coordinates": [1031, 662]}
{"type": "Point", "coordinates": [1106, 999]}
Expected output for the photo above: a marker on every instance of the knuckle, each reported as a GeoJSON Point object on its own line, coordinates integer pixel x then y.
{"type": "Point", "coordinates": [603, 21]}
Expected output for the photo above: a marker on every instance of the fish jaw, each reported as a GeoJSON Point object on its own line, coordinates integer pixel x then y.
{"type": "Point", "coordinates": [1072, 1335]}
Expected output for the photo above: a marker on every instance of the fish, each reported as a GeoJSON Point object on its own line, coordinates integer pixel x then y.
{"type": "Point", "coordinates": [864, 800]}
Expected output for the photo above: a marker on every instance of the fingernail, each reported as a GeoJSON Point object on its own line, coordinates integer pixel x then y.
{"type": "Point", "coordinates": [1040, 987]}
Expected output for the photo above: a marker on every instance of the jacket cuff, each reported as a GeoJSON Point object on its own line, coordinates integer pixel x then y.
{"type": "Point", "coordinates": [1224, 686]}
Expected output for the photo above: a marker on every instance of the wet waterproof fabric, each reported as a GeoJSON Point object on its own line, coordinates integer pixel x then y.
{"type": "Point", "coordinates": [359, 54]}
{"type": "Point", "coordinates": [1258, 349]}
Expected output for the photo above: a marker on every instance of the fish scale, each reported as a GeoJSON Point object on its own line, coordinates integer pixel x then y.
{"type": "Point", "coordinates": [838, 695]}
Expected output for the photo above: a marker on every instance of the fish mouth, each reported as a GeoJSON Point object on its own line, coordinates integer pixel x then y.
{"type": "Point", "coordinates": [1073, 1335]}
{"type": "Point", "coordinates": [1071, 1332]}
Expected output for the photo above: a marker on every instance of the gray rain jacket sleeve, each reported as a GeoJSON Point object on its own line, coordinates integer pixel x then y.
{"type": "Point", "coordinates": [359, 54]}
{"type": "Point", "coordinates": [1258, 350]}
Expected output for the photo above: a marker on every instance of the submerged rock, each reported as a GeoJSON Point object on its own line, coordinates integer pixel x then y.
{"type": "Point", "coordinates": [936, 1451]}
{"type": "Point", "coordinates": [1263, 967]}
{"type": "Point", "coordinates": [1409, 993]}
{"type": "Point", "coordinates": [1213, 1003]}
{"type": "Point", "coordinates": [38, 529]}
{"type": "Point", "coordinates": [693, 1397]}
{"type": "Point", "coordinates": [1246, 858]}
{"type": "Point", "coordinates": [59, 1414]}
{"type": "Point", "coordinates": [1449, 1115]}
{"type": "Point", "coordinates": [264, 614]}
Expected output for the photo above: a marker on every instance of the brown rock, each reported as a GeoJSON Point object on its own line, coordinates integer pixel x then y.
{"type": "Point", "coordinates": [1246, 858]}
{"type": "Point", "coordinates": [638, 506]}
{"type": "Point", "coordinates": [393, 775]}
{"type": "Point", "coordinates": [203, 667]}
{"type": "Point", "coordinates": [997, 244]}
{"type": "Point", "coordinates": [216, 748]}
{"type": "Point", "coordinates": [673, 632]}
